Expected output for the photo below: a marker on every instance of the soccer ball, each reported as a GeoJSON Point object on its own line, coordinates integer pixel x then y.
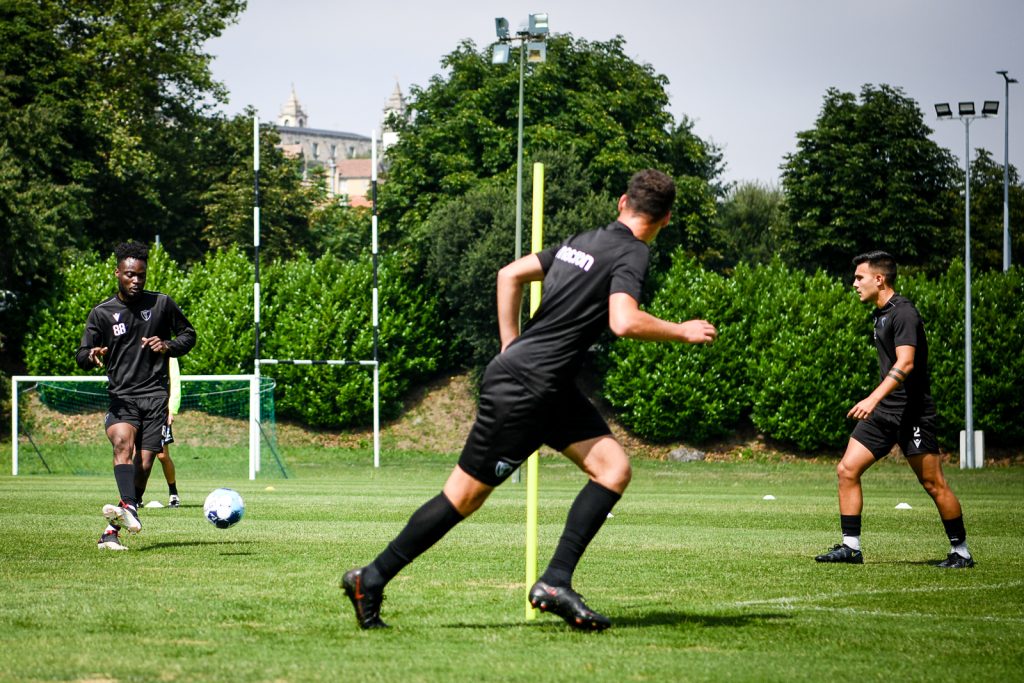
{"type": "Point", "coordinates": [224, 508]}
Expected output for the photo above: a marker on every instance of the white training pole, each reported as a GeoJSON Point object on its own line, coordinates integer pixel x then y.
{"type": "Point", "coordinates": [14, 426]}
{"type": "Point", "coordinates": [376, 328]}
{"type": "Point", "coordinates": [254, 398]}
{"type": "Point", "coordinates": [254, 427]}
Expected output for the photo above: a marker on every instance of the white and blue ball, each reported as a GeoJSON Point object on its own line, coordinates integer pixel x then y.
{"type": "Point", "coordinates": [224, 508]}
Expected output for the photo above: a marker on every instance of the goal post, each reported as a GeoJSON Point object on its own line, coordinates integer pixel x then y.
{"type": "Point", "coordinates": [232, 413]}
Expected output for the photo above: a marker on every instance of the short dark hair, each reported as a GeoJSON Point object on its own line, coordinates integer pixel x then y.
{"type": "Point", "coordinates": [880, 261]}
{"type": "Point", "coordinates": [135, 250]}
{"type": "Point", "coordinates": [651, 192]}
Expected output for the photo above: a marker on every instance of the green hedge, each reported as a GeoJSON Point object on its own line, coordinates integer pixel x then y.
{"type": "Point", "coordinates": [663, 390]}
{"type": "Point", "coordinates": [794, 353]}
{"type": "Point", "coordinates": [310, 310]}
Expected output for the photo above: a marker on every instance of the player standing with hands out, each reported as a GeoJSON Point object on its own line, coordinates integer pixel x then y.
{"type": "Point", "coordinates": [528, 397]}
{"type": "Point", "coordinates": [899, 411]}
{"type": "Point", "coordinates": [132, 334]}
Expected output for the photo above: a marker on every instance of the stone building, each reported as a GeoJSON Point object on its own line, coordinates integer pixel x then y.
{"type": "Point", "coordinates": [344, 157]}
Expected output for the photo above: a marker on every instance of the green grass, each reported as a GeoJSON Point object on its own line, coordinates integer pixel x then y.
{"type": "Point", "coordinates": [703, 579]}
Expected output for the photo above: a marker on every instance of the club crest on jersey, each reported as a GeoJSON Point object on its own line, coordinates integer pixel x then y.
{"type": "Point", "coordinates": [147, 314]}
{"type": "Point", "coordinates": [575, 257]}
{"type": "Point", "coordinates": [502, 469]}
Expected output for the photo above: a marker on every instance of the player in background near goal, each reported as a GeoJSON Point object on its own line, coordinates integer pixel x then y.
{"type": "Point", "coordinates": [166, 439]}
{"type": "Point", "coordinates": [133, 333]}
{"type": "Point", "coordinates": [528, 397]}
{"type": "Point", "coordinates": [899, 411]}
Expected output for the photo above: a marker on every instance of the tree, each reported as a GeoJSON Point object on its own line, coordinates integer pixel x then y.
{"type": "Point", "coordinates": [867, 177]}
{"type": "Point", "coordinates": [101, 101]}
{"type": "Point", "coordinates": [589, 97]}
{"type": "Point", "coordinates": [288, 204]}
{"type": "Point", "coordinates": [751, 224]}
{"type": "Point", "coordinates": [987, 213]}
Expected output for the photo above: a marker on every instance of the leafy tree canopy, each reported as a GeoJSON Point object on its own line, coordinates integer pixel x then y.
{"type": "Point", "coordinates": [987, 213]}
{"type": "Point", "coordinates": [868, 177]}
{"type": "Point", "coordinates": [588, 97]}
{"type": "Point", "coordinates": [100, 104]}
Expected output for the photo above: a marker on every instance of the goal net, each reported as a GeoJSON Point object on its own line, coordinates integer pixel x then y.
{"type": "Point", "coordinates": [223, 420]}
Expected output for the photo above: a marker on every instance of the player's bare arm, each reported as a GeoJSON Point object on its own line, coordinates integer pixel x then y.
{"type": "Point", "coordinates": [511, 280]}
{"type": "Point", "coordinates": [903, 366]}
{"type": "Point", "coordinates": [627, 320]}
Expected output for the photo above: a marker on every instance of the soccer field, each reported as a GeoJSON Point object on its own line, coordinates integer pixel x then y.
{"type": "Point", "coordinates": [703, 579]}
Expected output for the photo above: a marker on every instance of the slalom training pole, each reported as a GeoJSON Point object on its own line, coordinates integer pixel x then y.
{"type": "Point", "coordinates": [532, 465]}
{"type": "Point", "coordinates": [254, 385]}
{"type": "Point", "coordinates": [376, 325]}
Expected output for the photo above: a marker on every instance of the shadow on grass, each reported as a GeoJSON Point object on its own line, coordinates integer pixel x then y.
{"type": "Point", "coordinates": [700, 620]}
{"type": "Point", "coordinates": [192, 544]}
{"type": "Point", "coordinates": [648, 620]}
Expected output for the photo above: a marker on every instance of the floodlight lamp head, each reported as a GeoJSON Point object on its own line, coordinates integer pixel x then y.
{"type": "Point", "coordinates": [539, 24]}
{"type": "Point", "coordinates": [500, 54]}
{"type": "Point", "coordinates": [965, 108]}
{"type": "Point", "coordinates": [501, 27]}
{"type": "Point", "coordinates": [943, 111]}
{"type": "Point", "coordinates": [536, 52]}
{"type": "Point", "coordinates": [990, 108]}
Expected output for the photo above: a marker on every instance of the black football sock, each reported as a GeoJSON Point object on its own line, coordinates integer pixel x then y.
{"type": "Point", "coordinates": [139, 491]}
{"type": "Point", "coordinates": [850, 526]}
{"type": "Point", "coordinates": [172, 489]}
{"type": "Point", "coordinates": [124, 475]}
{"type": "Point", "coordinates": [427, 526]}
{"type": "Point", "coordinates": [587, 514]}
{"type": "Point", "coordinates": [955, 530]}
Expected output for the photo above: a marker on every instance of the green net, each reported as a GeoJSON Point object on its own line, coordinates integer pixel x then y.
{"type": "Point", "coordinates": [61, 431]}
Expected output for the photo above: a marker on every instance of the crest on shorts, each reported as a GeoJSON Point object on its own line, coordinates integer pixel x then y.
{"type": "Point", "coordinates": [147, 314]}
{"type": "Point", "coordinates": [502, 469]}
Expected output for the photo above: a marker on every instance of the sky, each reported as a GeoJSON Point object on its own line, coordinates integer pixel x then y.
{"type": "Point", "coordinates": [750, 74]}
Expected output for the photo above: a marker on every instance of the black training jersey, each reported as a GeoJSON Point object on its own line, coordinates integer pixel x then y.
{"type": "Point", "coordinates": [131, 369]}
{"type": "Point", "coordinates": [579, 276]}
{"type": "Point", "coordinates": [898, 323]}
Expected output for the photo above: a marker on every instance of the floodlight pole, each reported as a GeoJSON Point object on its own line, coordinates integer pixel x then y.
{"type": "Point", "coordinates": [1006, 171]}
{"type": "Point", "coordinates": [537, 30]}
{"type": "Point", "coordinates": [967, 115]}
{"type": "Point", "coordinates": [968, 363]}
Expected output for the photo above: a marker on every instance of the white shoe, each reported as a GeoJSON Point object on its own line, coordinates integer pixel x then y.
{"type": "Point", "coordinates": [122, 517]}
{"type": "Point", "coordinates": [174, 502]}
{"type": "Point", "coordinates": [110, 541]}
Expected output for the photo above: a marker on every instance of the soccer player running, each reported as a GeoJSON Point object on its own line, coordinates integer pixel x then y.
{"type": "Point", "coordinates": [134, 332]}
{"type": "Point", "coordinates": [899, 411]}
{"type": "Point", "coordinates": [528, 397]}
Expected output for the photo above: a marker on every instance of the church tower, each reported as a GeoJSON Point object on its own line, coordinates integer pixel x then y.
{"type": "Point", "coordinates": [292, 114]}
{"type": "Point", "coordinates": [395, 105]}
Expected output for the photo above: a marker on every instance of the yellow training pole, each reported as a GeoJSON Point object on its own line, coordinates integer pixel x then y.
{"type": "Point", "coordinates": [532, 468]}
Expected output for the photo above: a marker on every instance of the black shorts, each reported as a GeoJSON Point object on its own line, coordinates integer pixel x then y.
{"type": "Point", "coordinates": [148, 414]}
{"type": "Point", "coordinates": [914, 433]}
{"type": "Point", "coordinates": [512, 423]}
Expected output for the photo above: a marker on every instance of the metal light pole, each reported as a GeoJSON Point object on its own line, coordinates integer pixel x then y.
{"type": "Point", "coordinates": [531, 48]}
{"type": "Point", "coordinates": [967, 114]}
{"type": "Point", "coordinates": [1006, 171]}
